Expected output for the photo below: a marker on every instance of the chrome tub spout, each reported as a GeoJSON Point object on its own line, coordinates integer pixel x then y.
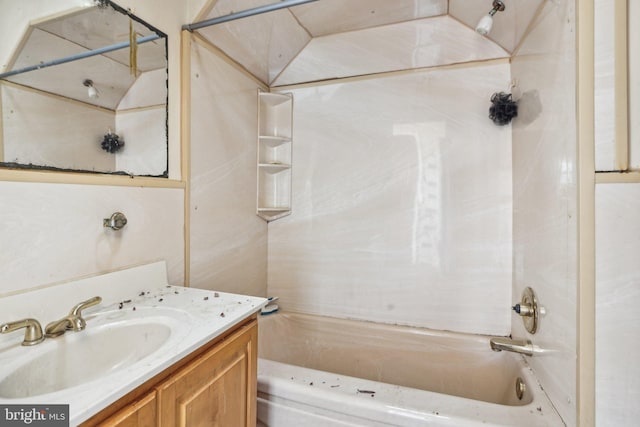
{"type": "Point", "coordinates": [517, 346]}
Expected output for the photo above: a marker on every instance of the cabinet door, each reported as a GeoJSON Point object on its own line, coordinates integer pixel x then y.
{"type": "Point", "coordinates": [141, 413]}
{"type": "Point", "coordinates": [218, 389]}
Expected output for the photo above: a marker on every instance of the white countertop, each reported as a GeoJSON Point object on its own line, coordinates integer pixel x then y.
{"type": "Point", "coordinates": [194, 317]}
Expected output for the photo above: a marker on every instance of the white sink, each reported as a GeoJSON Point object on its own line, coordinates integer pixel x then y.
{"type": "Point", "coordinates": [80, 357]}
{"type": "Point", "coordinates": [142, 327]}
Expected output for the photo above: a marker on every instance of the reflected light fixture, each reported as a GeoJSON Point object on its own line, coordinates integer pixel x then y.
{"type": "Point", "coordinates": [486, 22]}
{"type": "Point", "coordinates": [92, 92]}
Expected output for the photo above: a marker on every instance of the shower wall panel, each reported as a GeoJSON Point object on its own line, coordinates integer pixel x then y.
{"type": "Point", "coordinates": [545, 197]}
{"type": "Point", "coordinates": [228, 241]}
{"type": "Point", "coordinates": [401, 202]}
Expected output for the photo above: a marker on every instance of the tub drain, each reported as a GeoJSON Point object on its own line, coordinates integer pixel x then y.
{"type": "Point", "coordinates": [520, 388]}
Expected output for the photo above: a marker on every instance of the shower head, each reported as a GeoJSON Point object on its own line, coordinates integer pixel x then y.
{"type": "Point", "coordinates": [486, 22]}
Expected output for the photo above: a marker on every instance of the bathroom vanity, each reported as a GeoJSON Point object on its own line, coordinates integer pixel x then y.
{"type": "Point", "coordinates": [214, 384]}
{"type": "Point", "coordinates": [151, 354]}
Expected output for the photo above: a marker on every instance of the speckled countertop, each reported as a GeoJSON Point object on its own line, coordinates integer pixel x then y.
{"type": "Point", "coordinates": [170, 321]}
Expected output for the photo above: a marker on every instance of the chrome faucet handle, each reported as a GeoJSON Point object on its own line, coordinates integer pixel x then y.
{"type": "Point", "coordinates": [77, 323]}
{"type": "Point", "coordinates": [32, 334]}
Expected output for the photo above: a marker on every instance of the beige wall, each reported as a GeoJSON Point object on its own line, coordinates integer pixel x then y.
{"type": "Point", "coordinates": [545, 197]}
{"type": "Point", "coordinates": [634, 85]}
{"type": "Point", "coordinates": [617, 233]}
{"type": "Point", "coordinates": [604, 68]}
{"type": "Point", "coordinates": [228, 241]}
{"type": "Point", "coordinates": [617, 299]}
{"type": "Point", "coordinates": [53, 232]}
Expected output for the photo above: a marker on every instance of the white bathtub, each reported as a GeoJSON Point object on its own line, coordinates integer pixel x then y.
{"type": "Point", "coordinates": [320, 371]}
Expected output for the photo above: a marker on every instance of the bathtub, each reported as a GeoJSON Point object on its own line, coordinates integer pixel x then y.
{"type": "Point", "coordinates": [320, 371]}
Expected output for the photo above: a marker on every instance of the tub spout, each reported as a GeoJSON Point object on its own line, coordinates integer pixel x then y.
{"type": "Point", "coordinates": [517, 346]}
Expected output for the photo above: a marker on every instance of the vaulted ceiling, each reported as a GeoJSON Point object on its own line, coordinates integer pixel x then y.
{"type": "Point", "coordinates": [341, 38]}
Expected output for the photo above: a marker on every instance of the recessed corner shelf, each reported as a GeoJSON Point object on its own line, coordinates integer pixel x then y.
{"type": "Point", "coordinates": [271, 214]}
{"type": "Point", "coordinates": [275, 117]}
{"type": "Point", "coordinates": [273, 141]}
{"type": "Point", "coordinates": [274, 99]}
{"type": "Point", "coordinates": [274, 167]}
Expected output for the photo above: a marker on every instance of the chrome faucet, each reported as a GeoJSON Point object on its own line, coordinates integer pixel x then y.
{"type": "Point", "coordinates": [517, 346]}
{"type": "Point", "coordinates": [33, 330]}
{"type": "Point", "coordinates": [72, 322]}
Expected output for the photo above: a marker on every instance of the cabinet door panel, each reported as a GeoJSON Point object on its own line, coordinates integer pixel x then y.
{"type": "Point", "coordinates": [139, 414]}
{"type": "Point", "coordinates": [216, 389]}
{"type": "Point", "coordinates": [222, 402]}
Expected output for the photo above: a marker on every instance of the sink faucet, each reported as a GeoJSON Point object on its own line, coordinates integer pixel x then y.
{"type": "Point", "coordinates": [517, 346]}
{"type": "Point", "coordinates": [73, 321]}
{"type": "Point", "coordinates": [33, 330]}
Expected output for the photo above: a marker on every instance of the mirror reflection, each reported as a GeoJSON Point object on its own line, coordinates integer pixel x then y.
{"type": "Point", "coordinates": [106, 112]}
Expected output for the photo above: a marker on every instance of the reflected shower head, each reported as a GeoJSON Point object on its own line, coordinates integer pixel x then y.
{"type": "Point", "coordinates": [486, 22]}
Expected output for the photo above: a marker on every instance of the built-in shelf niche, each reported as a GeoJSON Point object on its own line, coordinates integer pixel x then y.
{"type": "Point", "coordinates": [275, 117]}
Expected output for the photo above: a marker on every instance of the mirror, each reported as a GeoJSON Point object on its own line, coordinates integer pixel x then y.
{"type": "Point", "coordinates": [87, 108]}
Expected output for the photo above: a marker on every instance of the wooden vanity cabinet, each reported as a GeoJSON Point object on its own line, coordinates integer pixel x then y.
{"type": "Point", "coordinates": [141, 413]}
{"type": "Point", "coordinates": [216, 387]}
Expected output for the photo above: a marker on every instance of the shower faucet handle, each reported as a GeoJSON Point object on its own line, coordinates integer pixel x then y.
{"type": "Point", "coordinates": [528, 309]}
{"type": "Point", "coordinates": [523, 309]}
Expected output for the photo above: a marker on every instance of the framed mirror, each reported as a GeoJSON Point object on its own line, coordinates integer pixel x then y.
{"type": "Point", "coordinates": [87, 92]}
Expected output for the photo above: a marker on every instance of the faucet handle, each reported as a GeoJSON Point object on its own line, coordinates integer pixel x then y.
{"type": "Point", "coordinates": [529, 310]}
{"type": "Point", "coordinates": [78, 323]}
{"type": "Point", "coordinates": [523, 309]}
{"type": "Point", "coordinates": [76, 310]}
{"type": "Point", "coordinates": [32, 334]}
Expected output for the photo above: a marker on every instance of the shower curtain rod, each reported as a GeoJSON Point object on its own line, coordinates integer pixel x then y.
{"type": "Point", "coordinates": [244, 14]}
{"type": "Point", "coordinates": [87, 54]}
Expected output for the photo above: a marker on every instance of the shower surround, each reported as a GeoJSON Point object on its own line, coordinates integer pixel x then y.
{"type": "Point", "coordinates": [401, 203]}
{"type": "Point", "coordinates": [411, 207]}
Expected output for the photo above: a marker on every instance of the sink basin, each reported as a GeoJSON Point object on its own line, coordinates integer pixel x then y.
{"type": "Point", "coordinates": [80, 357]}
